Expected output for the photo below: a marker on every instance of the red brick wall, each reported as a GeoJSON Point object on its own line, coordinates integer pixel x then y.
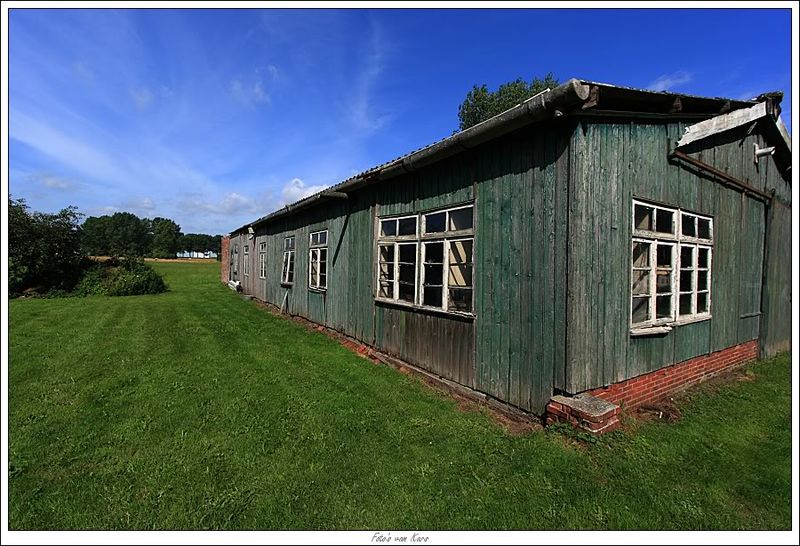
{"type": "Point", "coordinates": [226, 259]}
{"type": "Point", "coordinates": [654, 385]}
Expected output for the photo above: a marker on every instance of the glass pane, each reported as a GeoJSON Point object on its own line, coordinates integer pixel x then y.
{"type": "Point", "coordinates": [387, 253]}
{"type": "Point", "coordinates": [685, 307]}
{"type": "Point", "coordinates": [314, 277]}
{"type": "Point", "coordinates": [433, 275]}
{"type": "Point", "coordinates": [460, 275]}
{"type": "Point", "coordinates": [385, 290]}
{"type": "Point", "coordinates": [702, 280]}
{"type": "Point", "coordinates": [323, 280]}
{"type": "Point", "coordinates": [643, 218]}
{"type": "Point", "coordinates": [641, 310]}
{"type": "Point", "coordinates": [704, 228]}
{"type": "Point", "coordinates": [461, 251]}
{"type": "Point", "coordinates": [386, 272]}
{"type": "Point", "coordinates": [314, 238]}
{"type": "Point", "coordinates": [686, 281]}
{"type": "Point", "coordinates": [663, 282]}
{"type": "Point", "coordinates": [408, 253]}
{"type": "Point", "coordinates": [406, 273]}
{"type": "Point", "coordinates": [407, 292]}
{"type": "Point", "coordinates": [323, 254]}
{"type": "Point", "coordinates": [434, 253]}
{"type": "Point", "coordinates": [664, 256]}
{"type": "Point", "coordinates": [434, 223]}
{"type": "Point", "coordinates": [460, 299]}
{"type": "Point", "coordinates": [663, 307]}
{"type": "Point", "coordinates": [702, 302]}
{"type": "Point", "coordinates": [688, 225]}
{"type": "Point", "coordinates": [407, 226]}
{"type": "Point", "coordinates": [432, 296]}
{"type": "Point", "coordinates": [641, 282]}
{"type": "Point", "coordinates": [460, 219]}
{"type": "Point", "coordinates": [641, 254]}
{"type": "Point", "coordinates": [323, 238]}
{"type": "Point", "coordinates": [388, 228]}
{"type": "Point", "coordinates": [687, 256]}
{"type": "Point", "coordinates": [664, 222]}
{"type": "Point", "coordinates": [702, 258]}
{"type": "Point", "coordinates": [323, 268]}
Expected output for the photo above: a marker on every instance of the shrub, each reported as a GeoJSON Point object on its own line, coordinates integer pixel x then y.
{"type": "Point", "coordinates": [115, 277]}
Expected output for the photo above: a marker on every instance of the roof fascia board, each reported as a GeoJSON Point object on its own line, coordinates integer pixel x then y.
{"type": "Point", "coordinates": [722, 123]}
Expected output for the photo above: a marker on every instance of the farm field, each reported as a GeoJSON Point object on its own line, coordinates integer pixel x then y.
{"type": "Point", "coordinates": [196, 409]}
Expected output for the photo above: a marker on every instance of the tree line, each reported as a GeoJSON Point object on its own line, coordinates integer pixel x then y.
{"type": "Point", "coordinates": [125, 234]}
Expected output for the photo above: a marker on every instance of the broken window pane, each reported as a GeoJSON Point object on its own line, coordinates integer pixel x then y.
{"type": "Point", "coordinates": [663, 282]}
{"type": "Point", "coordinates": [387, 253]}
{"type": "Point", "coordinates": [460, 299]}
{"type": "Point", "coordinates": [664, 221]}
{"type": "Point", "coordinates": [643, 217]}
{"type": "Point", "coordinates": [640, 311]}
{"type": "Point", "coordinates": [688, 225]}
{"type": "Point", "coordinates": [641, 282]}
{"type": "Point", "coordinates": [434, 223]}
{"type": "Point", "coordinates": [388, 228]}
{"type": "Point", "coordinates": [641, 254]}
{"type": "Point", "coordinates": [704, 228]}
{"type": "Point", "coordinates": [460, 275]}
{"type": "Point", "coordinates": [663, 307]}
{"type": "Point", "coordinates": [432, 296]}
{"type": "Point", "coordinates": [407, 226]}
{"type": "Point", "coordinates": [664, 256]}
{"type": "Point", "coordinates": [406, 273]}
{"type": "Point", "coordinates": [385, 290]}
{"type": "Point", "coordinates": [460, 219]}
{"type": "Point", "coordinates": [386, 272]}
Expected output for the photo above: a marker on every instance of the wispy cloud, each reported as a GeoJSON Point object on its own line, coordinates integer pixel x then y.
{"type": "Point", "coordinates": [252, 90]}
{"type": "Point", "coordinates": [666, 82]}
{"type": "Point", "coordinates": [295, 189]}
{"type": "Point", "coordinates": [142, 97]}
{"type": "Point", "coordinates": [83, 70]}
{"type": "Point", "coordinates": [50, 181]}
{"type": "Point", "coordinates": [362, 109]}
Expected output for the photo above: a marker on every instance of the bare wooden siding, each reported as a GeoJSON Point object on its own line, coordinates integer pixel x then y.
{"type": "Point", "coordinates": [612, 163]}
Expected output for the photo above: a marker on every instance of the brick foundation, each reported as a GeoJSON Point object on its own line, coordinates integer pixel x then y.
{"type": "Point", "coordinates": [225, 255]}
{"type": "Point", "coordinates": [583, 411]}
{"type": "Point", "coordinates": [652, 386]}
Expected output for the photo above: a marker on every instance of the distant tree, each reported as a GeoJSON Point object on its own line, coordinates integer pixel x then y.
{"type": "Point", "coordinates": [121, 234]}
{"type": "Point", "coordinates": [481, 104]}
{"type": "Point", "coordinates": [44, 250]}
{"type": "Point", "coordinates": [166, 238]}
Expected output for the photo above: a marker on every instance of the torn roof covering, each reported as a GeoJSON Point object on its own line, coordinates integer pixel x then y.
{"type": "Point", "coordinates": [571, 97]}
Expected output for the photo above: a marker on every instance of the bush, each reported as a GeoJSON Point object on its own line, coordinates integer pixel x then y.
{"type": "Point", "coordinates": [126, 277]}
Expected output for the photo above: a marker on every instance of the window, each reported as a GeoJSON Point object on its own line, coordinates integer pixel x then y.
{"type": "Point", "coordinates": [262, 260]}
{"type": "Point", "coordinates": [426, 260]}
{"type": "Point", "coordinates": [235, 262]}
{"type": "Point", "coordinates": [246, 261]}
{"type": "Point", "coordinates": [318, 260]}
{"type": "Point", "coordinates": [670, 266]}
{"type": "Point", "coordinates": [287, 274]}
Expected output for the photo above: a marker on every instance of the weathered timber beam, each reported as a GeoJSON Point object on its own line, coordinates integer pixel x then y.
{"type": "Point", "coordinates": [723, 176]}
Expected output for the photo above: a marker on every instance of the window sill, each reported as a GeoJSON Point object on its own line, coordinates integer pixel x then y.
{"type": "Point", "coordinates": [425, 309]}
{"type": "Point", "coordinates": [287, 284]}
{"type": "Point", "coordinates": [317, 290]}
{"type": "Point", "coordinates": [691, 320]}
{"type": "Point", "coordinates": [650, 331]}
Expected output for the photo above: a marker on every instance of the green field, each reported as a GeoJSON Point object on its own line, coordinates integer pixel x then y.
{"type": "Point", "coordinates": [196, 409]}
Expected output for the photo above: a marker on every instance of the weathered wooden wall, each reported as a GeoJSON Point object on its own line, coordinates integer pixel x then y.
{"type": "Point", "coordinates": [613, 162]}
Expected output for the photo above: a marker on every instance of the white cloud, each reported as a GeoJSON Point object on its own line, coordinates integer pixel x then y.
{"type": "Point", "coordinates": [142, 97]}
{"type": "Point", "coordinates": [296, 189]}
{"type": "Point", "coordinates": [666, 82]}
{"type": "Point", "coordinates": [361, 108]}
{"type": "Point", "coordinates": [52, 182]}
{"type": "Point", "coordinates": [249, 93]}
{"type": "Point", "coordinates": [232, 203]}
{"type": "Point", "coordinates": [140, 206]}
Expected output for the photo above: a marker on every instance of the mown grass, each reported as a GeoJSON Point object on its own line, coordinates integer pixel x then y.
{"type": "Point", "coordinates": [195, 409]}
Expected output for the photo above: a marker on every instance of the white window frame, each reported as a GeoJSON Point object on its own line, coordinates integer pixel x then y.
{"type": "Point", "coordinates": [314, 257]}
{"type": "Point", "coordinates": [419, 240]}
{"type": "Point", "coordinates": [246, 261]}
{"type": "Point", "coordinates": [288, 261]}
{"type": "Point", "coordinates": [677, 240]}
{"type": "Point", "coordinates": [262, 260]}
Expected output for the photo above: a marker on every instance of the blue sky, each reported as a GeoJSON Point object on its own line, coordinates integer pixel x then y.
{"type": "Point", "coordinates": [215, 117]}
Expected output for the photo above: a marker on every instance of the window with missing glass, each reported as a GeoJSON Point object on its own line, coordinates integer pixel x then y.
{"type": "Point", "coordinates": [318, 260]}
{"type": "Point", "coordinates": [287, 273]}
{"type": "Point", "coordinates": [262, 260]}
{"type": "Point", "coordinates": [246, 261]}
{"type": "Point", "coordinates": [426, 260]}
{"type": "Point", "coordinates": [670, 266]}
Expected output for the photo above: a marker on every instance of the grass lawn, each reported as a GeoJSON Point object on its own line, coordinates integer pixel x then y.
{"type": "Point", "coordinates": [195, 409]}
